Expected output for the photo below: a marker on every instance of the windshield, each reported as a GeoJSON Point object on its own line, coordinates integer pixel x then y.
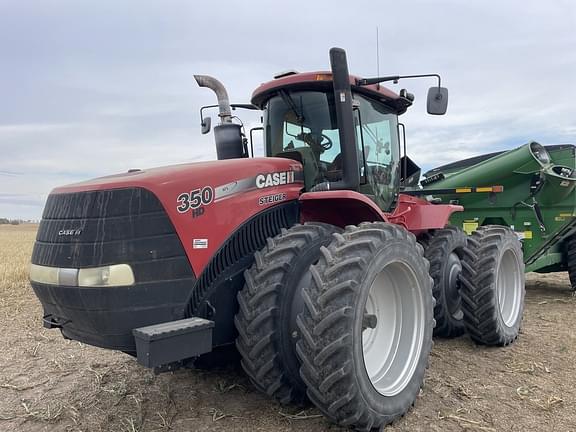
{"type": "Point", "coordinates": [377, 133]}
{"type": "Point", "coordinates": [302, 125]}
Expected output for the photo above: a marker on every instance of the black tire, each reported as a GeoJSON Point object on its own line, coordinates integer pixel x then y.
{"type": "Point", "coordinates": [571, 260]}
{"type": "Point", "coordinates": [265, 319]}
{"type": "Point", "coordinates": [335, 315]}
{"type": "Point", "coordinates": [444, 249]}
{"type": "Point", "coordinates": [493, 267]}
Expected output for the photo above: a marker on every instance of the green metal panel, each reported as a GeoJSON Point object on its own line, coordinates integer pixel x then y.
{"type": "Point", "coordinates": [538, 201]}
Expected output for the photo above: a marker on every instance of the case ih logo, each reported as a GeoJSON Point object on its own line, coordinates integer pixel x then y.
{"type": "Point", "coordinates": [70, 232]}
{"type": "Point", "coordinates": [274, 179]}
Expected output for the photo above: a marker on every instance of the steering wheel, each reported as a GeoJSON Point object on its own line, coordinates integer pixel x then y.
{"type": "Point", "coordinates": [325, 142]}
{"type": "Point", "coordinates": [319, 145]}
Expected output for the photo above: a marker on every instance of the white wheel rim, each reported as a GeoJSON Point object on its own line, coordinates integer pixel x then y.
{"type": "Point", "coordinates": [393, 347]}
{"type": "Point", "coordinates": [509, 287]}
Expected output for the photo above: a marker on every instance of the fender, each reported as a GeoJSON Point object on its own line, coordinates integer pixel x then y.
{"type": "Point", "coordinates": [418, 215]}
{"type": "Point", "coordinates": [342, 207]}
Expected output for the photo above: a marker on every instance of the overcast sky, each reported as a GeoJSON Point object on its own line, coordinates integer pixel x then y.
{"type": "Point", "coordinates": [90, 88]}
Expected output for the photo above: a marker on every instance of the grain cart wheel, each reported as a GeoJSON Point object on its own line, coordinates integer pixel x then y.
{"type": "Point", "coordinates": [492, 286]}
{"type": "Point", "coordinates": [366, 327]}
{"type": "Point", "coordinates": [265, 321]}
{"type": "Point", "coordinates": [571, 260]}
{"type": "Point", "coordinates": [444, 249]}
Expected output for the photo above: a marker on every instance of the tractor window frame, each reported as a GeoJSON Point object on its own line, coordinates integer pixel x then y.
{"type": "Point", "coordinates": [378, 150]}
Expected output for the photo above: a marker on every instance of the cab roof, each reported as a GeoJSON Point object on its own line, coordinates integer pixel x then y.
{"type": "Point", "coordinates": [322, 80]}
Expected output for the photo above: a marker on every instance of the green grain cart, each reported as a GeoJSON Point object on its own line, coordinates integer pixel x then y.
{"type": "Point", "coordinates": [538, 200]}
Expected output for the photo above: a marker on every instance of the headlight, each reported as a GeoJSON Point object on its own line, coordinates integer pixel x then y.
{"type": "Point", "coordinates": [113, 275]}
{"type": "Point", "coordinates": [44, 275]}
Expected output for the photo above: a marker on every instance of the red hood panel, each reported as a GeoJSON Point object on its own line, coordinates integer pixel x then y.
{"type": "Point", "coordinates": [224, 171]}
{"type": "Point", "coordinates": [207, 201]}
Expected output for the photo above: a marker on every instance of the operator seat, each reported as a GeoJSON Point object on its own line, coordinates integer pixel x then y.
{"type": "Point", "coordinates": [305, 156]}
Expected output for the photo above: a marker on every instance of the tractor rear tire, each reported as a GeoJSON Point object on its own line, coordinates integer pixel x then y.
{"type": "Point", "coordinates": [366, 327]}
{"type": "Point", "coordinates": [492, 286]}
{"type": "Point", "coordinates": [571, 260]}
{"type": "Point", "coordinates": [444, 249]}
{"type": "Point", "coordinates": [266, 319]}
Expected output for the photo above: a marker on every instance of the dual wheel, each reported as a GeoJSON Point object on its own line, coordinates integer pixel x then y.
{"type": "Point", "coordinates": [478, 283]}
{"type": "Point", "coordinates": [345, 318]}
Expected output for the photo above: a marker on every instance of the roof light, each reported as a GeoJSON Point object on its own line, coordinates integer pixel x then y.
{"type": "Point", "coordinates": [285, 73]}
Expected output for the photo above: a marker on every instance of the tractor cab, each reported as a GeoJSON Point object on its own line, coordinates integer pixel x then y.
{"type": "Point", "coordinates": [343, 129]}
{"type": "Point", "coordinates": [302, 124]}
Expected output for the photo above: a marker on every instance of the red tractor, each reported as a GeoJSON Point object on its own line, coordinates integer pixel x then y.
{"type": "Point", "coordinates": [318, 261]}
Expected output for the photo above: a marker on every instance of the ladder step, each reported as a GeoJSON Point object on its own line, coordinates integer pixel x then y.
{"type": "Point", "coordinates": [172, 341]}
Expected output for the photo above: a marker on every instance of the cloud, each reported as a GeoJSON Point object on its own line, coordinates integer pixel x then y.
{"type": "Point", "coordinates": [94, 88]}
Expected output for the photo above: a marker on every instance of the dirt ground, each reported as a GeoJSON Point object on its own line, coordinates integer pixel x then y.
{"type": "Point", "coordinates": [50, 384]}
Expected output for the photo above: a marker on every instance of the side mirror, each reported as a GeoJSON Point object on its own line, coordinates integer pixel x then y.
{"type": "Point", "coordinates": [437, 100]}
{"type": "Point", "coordinates": [206, 124]}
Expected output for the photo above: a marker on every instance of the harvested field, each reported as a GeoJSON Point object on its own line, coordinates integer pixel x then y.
{"type": "Point", "coordinates": [50, 384]}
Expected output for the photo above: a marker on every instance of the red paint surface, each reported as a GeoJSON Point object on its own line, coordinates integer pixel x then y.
{"type": "Point", "coordinates": [221, 217]}
{"type": "Point", "coordinates": [343, 208]}
{"type": "Point", "coordinates": [224, 216]}
{"type": "Point", "coordinates": [340, 208]}
{"type": "Point", "coordinates": [375, 90]}
{"type": "Point", "coordinates": [418, 215]}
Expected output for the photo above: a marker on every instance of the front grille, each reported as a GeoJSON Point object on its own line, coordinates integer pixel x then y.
{"type": "Point", "coordinates": [97, 228]}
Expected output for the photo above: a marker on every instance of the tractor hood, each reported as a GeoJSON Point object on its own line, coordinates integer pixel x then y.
{"type": "Point", "coordinates": [204, 201]}
{"type": "Point", "coordinates": [164, 178]}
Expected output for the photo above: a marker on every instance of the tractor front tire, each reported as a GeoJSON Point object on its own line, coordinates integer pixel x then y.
{"type": "Point", "coordinates": [492, 286]}
{"type": "Point", "coordinates": [366, 327]}
{"type": "Point", "coordinates": [444, 249]}
{"type": "Point", "coordinates": [266, 319]}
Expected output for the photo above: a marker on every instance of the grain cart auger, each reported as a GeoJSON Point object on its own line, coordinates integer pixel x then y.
{"type": "Point", "coordinates": [306, 259]}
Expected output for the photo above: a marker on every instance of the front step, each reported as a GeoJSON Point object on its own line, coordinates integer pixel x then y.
{"type": "Point", "coordinates": [173, 341]}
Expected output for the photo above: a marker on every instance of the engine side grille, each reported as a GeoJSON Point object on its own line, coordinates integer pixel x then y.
{"type": "Point", "coordinates": [237, 253]}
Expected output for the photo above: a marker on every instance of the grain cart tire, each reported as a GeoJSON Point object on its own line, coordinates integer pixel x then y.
{"type": "Point", "coordinates": [444, 250]}
{"type": "Point", "coordinates": [492, 286]}
{"type": "Point", "coordinates": [571, 260]}
{"type": "Point", "coordinates": [265, 319]}
{"type": "Point", "coordinates": [366, 327]}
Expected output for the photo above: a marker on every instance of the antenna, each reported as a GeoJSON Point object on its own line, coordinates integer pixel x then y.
{"type": "Point", "coordinates": [377, 53]}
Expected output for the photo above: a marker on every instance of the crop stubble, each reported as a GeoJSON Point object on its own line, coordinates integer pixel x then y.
{"type": "Point", "coordinates": [51, 384]}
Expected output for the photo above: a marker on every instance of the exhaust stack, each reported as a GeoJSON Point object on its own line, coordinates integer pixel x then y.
{"type": "Point", "coordinates": [345, 117]}
{"type": "Point", "coordinates": [217, 87]}
{"type": "Point", "coordinates": [228, 136]}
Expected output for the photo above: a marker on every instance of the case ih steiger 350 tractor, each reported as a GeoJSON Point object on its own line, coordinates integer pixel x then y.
{"type": "Point", "coordinates": [312, 260]}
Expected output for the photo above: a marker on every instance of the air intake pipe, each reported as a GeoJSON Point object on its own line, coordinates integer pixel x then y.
{"type": "Point", "coordinates": [228, 135]}
{"type": "Point", "coordinates": [345, 117]}
{"type": "Point", "coordinates": [217, 87]}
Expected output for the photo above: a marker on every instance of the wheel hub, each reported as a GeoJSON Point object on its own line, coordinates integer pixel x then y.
{"type": "Point", "coordinates": [509, 287]}
{"type": "Point", "coordinates": [452, 294]}
{"type": "Point", "coordinates": [393, 346]}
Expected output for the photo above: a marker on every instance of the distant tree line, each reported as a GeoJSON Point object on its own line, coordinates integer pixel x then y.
{"type": "Point", "coordinates": [5, 221]}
